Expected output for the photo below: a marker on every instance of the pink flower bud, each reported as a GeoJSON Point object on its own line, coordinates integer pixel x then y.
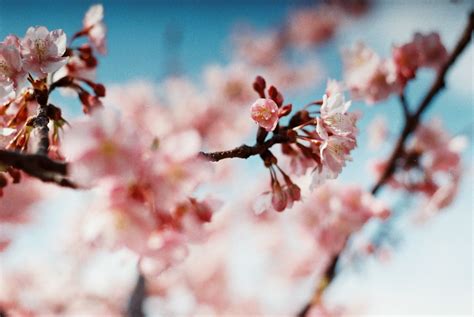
{"type": "Point", "coordinates": [285, 110]}
{"type": "Point", "coordinates": [294, 192]}
{"type": "Point", "coordinates": [279, 199]}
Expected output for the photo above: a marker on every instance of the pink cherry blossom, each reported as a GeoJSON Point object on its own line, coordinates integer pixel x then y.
{"type": "Point", "coordinates": [431, 166]}
{"type": "Point", "coordinates": [311, 26]}
{"type": "Point", "coordinates": [406, 58]}
{"type": "Point", "coordinates": [367, 76]}
{"type": "Point", "coordinates": [149, 200]}
{"type": "Point", "coordinates": [432, 51]}
{"type": "Point", "coordinates": [106, 147]}
{"type": "Point", "coordinates": [265, 113]}
{"type": "Point", "coordinates": [422, 51]}
{"type": "Point", "coordinates": [11, 65]}
{"type": "Point", "coordinates": [230, 83]}
{"type": "Point", "coordinates": [335, 116]}
{"type": "Point", "coordinates": [334, 153]}
{"type": "Point", "coordinates": [95, 28]}
{"type": "Point", "coordinates": [43, 50]}
{"type": "Point", "coordinates": [334, 150]}
{"type": "Point", "coordinates": [261, 49]}
{"type": "Point", "coordinates": [333, 212]}
{"type": "Point", "coordinates": [334, 87]}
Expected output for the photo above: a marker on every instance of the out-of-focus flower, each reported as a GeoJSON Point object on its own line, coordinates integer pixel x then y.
{"type": "Point", "coordinates": [333, 212]}
{"type": "Point", "coordinates": [265, 113]}
{"type": "Point", "coordinates": [12, 74]}
{"type": "Point", "coordinates": [378, 132]}
{"type": "Point", "coordinates": [76, 67]}
{"type": "Point", "coordinates": [433, 54]}
{"type": "Point", "coordinates": [43, 51]}
{"type": "Point", "coordinates": [422, 51]}
{"type": "Point", "coordinates": [230, 83]}
{"type": "Point", "coordinates": [406, 58]}
{"type": "Point", "coordinates": [261, 50]}
{"type": "Point", "coordinates": [15, 208]}
{"type": "Point", "coordinates": [431, 166]}
{"type": "Point", "coordinates": [100, 146]}
{"type": "Point", "coordinates": [146, 206]}
{"type": "Point", "coordinates": [367, 76]}
{"type": "Point", "coordinates": [311, 26]}
{"type": "Point", "coordinates": [95, 27]}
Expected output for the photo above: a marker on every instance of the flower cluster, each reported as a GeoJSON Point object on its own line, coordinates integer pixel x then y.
{"type": "Point", "coordinates": [304, 28]}
{"type": "Point", "coordinates": [39, 52]}
{"type": "Point", "coordinates": [82, 63]}
{"type": "Point", "coordinates": [374, 79]}
{"type": "Point", "coordinates": [368, 76]}
{"type": "Point", "coordinates": [144, 177]}
{"type": "Point", "coordinates": [333, 212]}
{"type": "Point", "coordinates": [430, 165]}
{"type": "Point", "coordinates": [43, 59]}
{"type": "Point", "coordinates": [422, 51]}
{"type": "Point", "coordinates": [15, 208]}
{"type": "Point", "coordinates": [322, 142]}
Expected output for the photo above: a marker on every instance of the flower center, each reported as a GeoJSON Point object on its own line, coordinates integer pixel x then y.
{"type": "Point", "coordinates": [4, 69]}
{"type": "Point", "coordinates": [40, 46]}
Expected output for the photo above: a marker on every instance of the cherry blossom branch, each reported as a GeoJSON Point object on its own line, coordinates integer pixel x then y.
{"type": "Point", "coordinates": [39, 165]}
{"type": "Point", "coordinates": [245, 151]}
{"type": "Point", "coordinates": [411, 123]}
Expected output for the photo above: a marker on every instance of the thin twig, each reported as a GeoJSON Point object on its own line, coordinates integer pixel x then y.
{"type": "Point", "coordinates": [405, 107]}
{"type": "Point", "coordinates": [245, 151]}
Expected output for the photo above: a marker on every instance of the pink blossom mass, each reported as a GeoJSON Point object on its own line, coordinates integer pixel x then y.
{"type": "Point", "coordinates": [225, 160]}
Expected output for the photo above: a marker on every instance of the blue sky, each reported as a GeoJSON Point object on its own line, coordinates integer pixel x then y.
{"type": "Point", "coordinates": [431, 272]}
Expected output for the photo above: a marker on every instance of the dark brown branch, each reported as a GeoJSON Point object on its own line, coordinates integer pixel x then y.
{"type": "Point", "coordinates": [245, 151]}
{"type": "Point", "coordinates": [411, 123]}
{"type": "Point", "coordinates": [135, 304]}
{"type": "Point", "coordinates": [37, 165]}
{"type": "Point", "coordinates": [405, 107]}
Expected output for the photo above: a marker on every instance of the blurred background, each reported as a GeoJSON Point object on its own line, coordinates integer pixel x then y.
{"type": "Point", "coordinates": [429, 271]}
